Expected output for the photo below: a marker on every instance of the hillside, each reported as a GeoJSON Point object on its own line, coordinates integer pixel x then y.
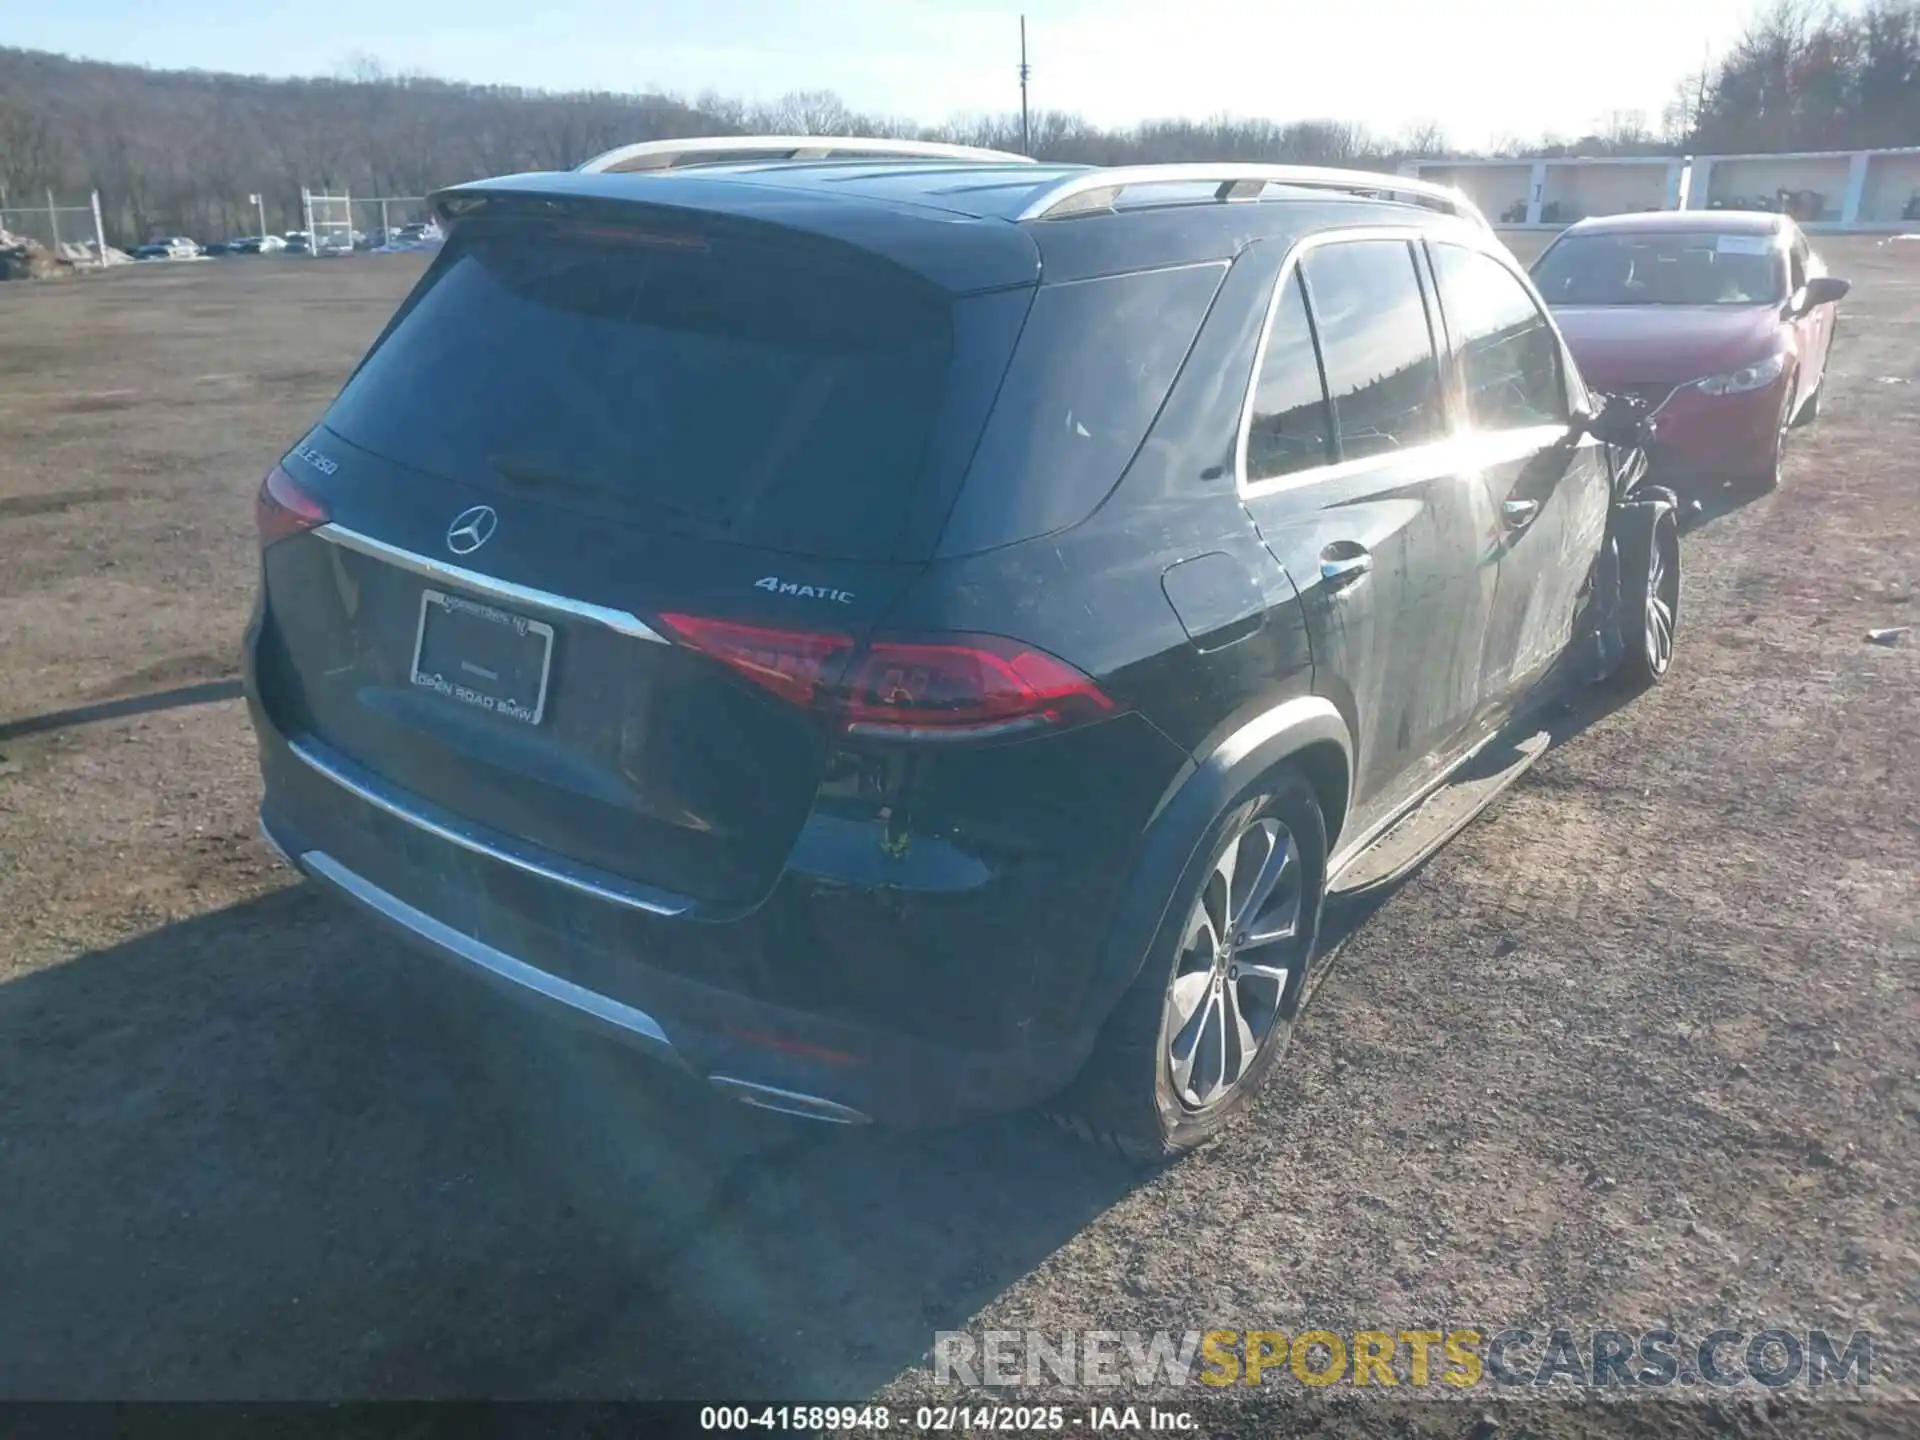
{"type": "Point", "coordinates": [181, 151]}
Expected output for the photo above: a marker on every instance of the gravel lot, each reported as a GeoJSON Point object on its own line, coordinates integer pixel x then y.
{"type": "Point", "coordinates": [1641, 1046]}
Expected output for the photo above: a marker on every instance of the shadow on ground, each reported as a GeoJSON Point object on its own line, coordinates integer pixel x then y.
{"type": "Point", "coordinates": [1563, 720]}
{"type": "Point", "coordinates": [206, 692]}
{"type": "Point", "coordinates": [266, 1154]}
{"type": "Point", "coordinates": [1704, 501]}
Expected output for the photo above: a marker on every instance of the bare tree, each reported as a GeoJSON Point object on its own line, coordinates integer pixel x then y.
{"type": "Point", "coordinates": [804, 112]}
{"type": "Point", "coordinates": [181, 151]}
{"type": "Point", "coordinates": [31, 153]}
{"type": "Point", "coordinates": [1423, 139]}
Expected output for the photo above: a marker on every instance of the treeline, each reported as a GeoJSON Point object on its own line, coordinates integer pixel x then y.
{"type": "Point", "coordinates": [1808, 77]}
{"type": "Point", "coordinates": [180, 152]}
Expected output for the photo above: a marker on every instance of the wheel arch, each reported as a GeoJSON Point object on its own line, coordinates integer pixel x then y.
{"type": "Point", "coordinates": [1307, 731]}
{"type": "Point", "coordinates": [1649, 507]}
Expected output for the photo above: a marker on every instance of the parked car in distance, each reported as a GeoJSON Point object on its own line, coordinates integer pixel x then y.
{"type": "Point", "coordinates": [1721, 320]}
{"type": "Point", "coordinates": [256, 245]}
{"type": "Point", "coordinates": [171, 247]}
{"type": "Point", "coordinates": [914, 631]}
{"type": "Point", "coordinates": [298, 242]}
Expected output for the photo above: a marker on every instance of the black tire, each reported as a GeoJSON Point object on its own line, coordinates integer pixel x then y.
{"type": "Point", "coordinates": [1768, 480]}
{"type": "Point", "coordinates": [1649, 580]}
{"type": "Point", "coordinates": [1126, 1097]}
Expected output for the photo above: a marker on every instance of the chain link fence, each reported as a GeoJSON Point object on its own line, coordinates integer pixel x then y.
{"type": "Point", "coordinates": [327, 222]}
{"type": "Point", "coordinates": [71, 231]}
{"type": "Point", "coordinates": [339, 224]}
{"type": "Point", "coordinates": [392, 220]}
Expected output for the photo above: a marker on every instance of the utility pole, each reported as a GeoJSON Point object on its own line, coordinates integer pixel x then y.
{"type": "Point", "coordinates": [1026, 137]}
{"type": "Point", "coordinates": [260, 206]}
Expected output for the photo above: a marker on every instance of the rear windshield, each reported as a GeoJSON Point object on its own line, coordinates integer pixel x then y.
{"type": "Point", "coordinates": [721, 387]}
{"type": "Point", "coordinates": [1674, 269]}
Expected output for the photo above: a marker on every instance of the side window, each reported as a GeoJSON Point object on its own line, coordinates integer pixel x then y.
{"type": "Point", "coordinates": [1376, 346]}
{"type": "Point", "coordinates": [1509, 359]}
{"type": "Point", "coordinates": [1290, 429]}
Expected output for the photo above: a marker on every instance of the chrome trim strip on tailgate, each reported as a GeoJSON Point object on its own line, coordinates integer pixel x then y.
{"type": "Point", "coordinates": [623, 621]}
{"type": "Point", "coordinates": [454, 835]}
{"type": "Point", "coordinates": [527, 982]}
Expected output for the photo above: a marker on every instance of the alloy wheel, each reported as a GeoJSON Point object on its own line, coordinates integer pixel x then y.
{"type": "Point", "coordinates": [1236, 975]}
{"type": "Point", "coordinates": [1662, 601]}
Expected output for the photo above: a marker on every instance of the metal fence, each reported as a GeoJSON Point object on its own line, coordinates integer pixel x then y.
{"type": "Point", "coordinates": [71, 231]}
{"type": "Point", "coordinates": [381, 217]}
{"type": "Point", "coordinates": [337, 223]}
{"type": "Point", "coordinates": [328, 221]}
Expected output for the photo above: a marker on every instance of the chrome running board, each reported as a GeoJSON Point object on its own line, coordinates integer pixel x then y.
{"type": "Point", "coordinates": [787, 1102]}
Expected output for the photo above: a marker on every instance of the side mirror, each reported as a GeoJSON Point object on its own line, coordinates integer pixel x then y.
{"type": "Point", "coordinates": [1822, 290]}
{"type": "Point", "coordinates": [1622, 420]}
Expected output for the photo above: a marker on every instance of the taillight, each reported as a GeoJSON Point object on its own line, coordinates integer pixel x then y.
{"type": "Point", "coordinates": [791, 663]}
{"type": "Point", "coordinates": [954, 687]}
{"type": "Point", "coordinates": [966, 686]}
{"type": "Point", "coordinates": [282, 508]}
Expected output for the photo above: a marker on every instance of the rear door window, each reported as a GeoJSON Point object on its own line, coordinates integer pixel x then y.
{"type": "Point", "coordinates": [1376, 346]}
{"type": "Point", "coordinates": [729, 388]}
{"type": "Point", "coordinates": [1292, 426]}
{"type": "Point", "coordinates": [1508, 356]}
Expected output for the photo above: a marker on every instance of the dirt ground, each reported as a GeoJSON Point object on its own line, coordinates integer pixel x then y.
{"type": "Point", "coordinates": [1641, 1046]}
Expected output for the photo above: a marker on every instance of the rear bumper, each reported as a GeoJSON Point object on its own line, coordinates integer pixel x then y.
{"type": "Point", "coordinates": [496, 926]}
{"type": "Point", "coordinates": [554, 945]}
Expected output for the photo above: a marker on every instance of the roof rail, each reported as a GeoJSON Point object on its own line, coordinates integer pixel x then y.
{"type": "Point", "coordinates": [1097, 189]}
{"type": "Point", "coordinates": [718, 149]}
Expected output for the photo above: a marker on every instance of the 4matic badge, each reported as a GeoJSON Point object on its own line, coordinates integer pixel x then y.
{"type": "Point", "coordinates": [806, 592]}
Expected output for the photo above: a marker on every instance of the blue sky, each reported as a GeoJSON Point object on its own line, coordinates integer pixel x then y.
{"type": "Point", "coordinates": [1481, 69]}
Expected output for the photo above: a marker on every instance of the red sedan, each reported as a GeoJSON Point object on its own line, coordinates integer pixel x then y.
{"type": "Point", "coordinates": [1720, 319]}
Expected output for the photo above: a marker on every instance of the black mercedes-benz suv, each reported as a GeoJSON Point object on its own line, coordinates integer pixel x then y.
{"type": "Point", "coordinates": [900, 631]}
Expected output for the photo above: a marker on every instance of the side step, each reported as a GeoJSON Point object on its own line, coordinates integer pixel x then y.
{"type": "Point", "coordinates": [1438, 818]}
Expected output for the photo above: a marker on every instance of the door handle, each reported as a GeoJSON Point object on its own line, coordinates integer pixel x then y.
{"type": "Point", "coordinates": [1518, 514]}
{"type": "Point", "coordinates": [1343, 564]}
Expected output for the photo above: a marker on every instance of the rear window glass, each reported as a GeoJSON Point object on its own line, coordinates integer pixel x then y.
{"type": "Point", "coordinates": [728, 389]}
{"type": "Point", "coordinates": [1093, 366]}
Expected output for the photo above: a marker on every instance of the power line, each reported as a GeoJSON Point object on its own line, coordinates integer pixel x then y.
{"type": "Point", "coordinates": [1026, 138]}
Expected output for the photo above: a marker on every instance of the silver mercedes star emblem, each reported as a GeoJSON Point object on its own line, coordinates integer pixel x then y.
{"type": "Point", "coordinates": [471, 529]}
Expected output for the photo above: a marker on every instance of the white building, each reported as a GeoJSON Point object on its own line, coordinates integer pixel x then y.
{"type": "Point", "coordinates": [1858, 189]}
